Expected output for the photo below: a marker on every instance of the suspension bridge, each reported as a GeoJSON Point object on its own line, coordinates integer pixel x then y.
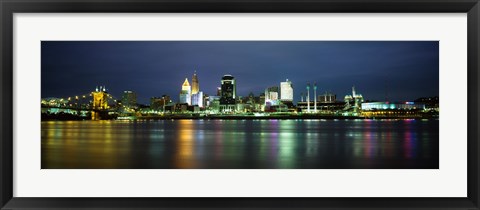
{"type": "Point", "coordinates": [99, 104]}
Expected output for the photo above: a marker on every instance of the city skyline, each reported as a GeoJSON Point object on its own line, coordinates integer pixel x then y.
{"type": "Point", "coordinates": [398, 70]}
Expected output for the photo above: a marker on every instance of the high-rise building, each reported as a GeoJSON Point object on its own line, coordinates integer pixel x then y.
{"type": "Point", "coordinates": [129, 98]}
{"type": "Point", "coordinates": [228, 93]}
{"type": "Point", "coordinates": [186, 93]}
{"type": "Point", "coordinates": [197, 99]}
{"type": "Point", "coordinates": [286, 91]}
{"type": "Point", "coordinates": [195, 85]}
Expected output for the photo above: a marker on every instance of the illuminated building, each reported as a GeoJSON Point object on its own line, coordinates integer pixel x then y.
{"type": "Point", "coordinates": [325, 104]}
{"type": "Point", "coordinates": [197, 99]}
{"type": "Point", "coordinates": [228, 93]}
{"type": "Point", "coordinates": [129, 99]}
{"type": "Point", "coordinates": [286, 91]}
{"type": "Point", "coordinates": [159, 103]}
{"type": "Point", "coordinates": [353, 101]}
{"type": "Point", "coordinates": [392, 110]}
{"type": "Point", "coordinates": [387, 106]}
{"type": "Point", "coordinates": [271, 96]}
{"type": "Point", "coordinates": [186, 93]}
{"type": "Point", "coordinates": [213, 103]}
{"type": "Point", "coordinates": [195, 85]}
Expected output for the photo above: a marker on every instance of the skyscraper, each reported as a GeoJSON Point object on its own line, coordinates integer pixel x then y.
{"type": "Point", "coordinates": [195, 85]}
{"type": "Point", "coordinates": [197, 95]}
{"type": "Point", "coordinates": [286, 91]}
{"type": "Point", "coordinates": [228, 93]}
{"type": "Point", "coordinates": [129, 98]}
{"type": "Point", "coordinates": [186, 93]}
{"type": "Point", "coordinates": [197, 99]}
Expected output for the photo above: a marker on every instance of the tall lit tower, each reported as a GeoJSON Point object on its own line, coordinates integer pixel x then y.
{"type": "Point", "coordinates": [228, 93]}
{"type": "Point", "coordinates": [129, 98]}
{"type": "Point", "coordinates": [100, 102]}
{"type": "Point", "coordinates": [308, 97]}
{"type": "Point", "coordinates": [286, 91]}
{"type": "Point", "coordinates": [315, 97]}
{"type": "Point", "coordinates": [195, 87]}
{"type": "Point", "coordinates": [186, 93]}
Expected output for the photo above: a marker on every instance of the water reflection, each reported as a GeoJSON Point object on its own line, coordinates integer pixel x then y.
{"type": "Point", "coordinates": [241, 144]}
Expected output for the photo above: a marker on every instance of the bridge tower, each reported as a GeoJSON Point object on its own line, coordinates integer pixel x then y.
{"type": "Point", "coordinates": [99, 103]}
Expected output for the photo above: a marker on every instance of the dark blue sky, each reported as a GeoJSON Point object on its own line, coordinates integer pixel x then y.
{"type": "Point", "coordinates": [403, 70]}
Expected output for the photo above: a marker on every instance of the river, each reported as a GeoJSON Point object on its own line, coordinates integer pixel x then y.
{"type": "Point", "coordinates": [240, 144]}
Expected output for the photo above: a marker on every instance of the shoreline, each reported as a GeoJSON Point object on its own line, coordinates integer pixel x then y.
{"type": "Point", "coordinates": [220, 117]}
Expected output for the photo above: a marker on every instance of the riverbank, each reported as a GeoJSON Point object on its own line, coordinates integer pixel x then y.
{"type": "Point", "coordinates": [235, 117]}
{"type": "Point", "coordinates": [280, 117]}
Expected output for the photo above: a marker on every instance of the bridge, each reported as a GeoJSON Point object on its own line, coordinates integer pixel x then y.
{"type": "Point", "coordinates": [98, 103]}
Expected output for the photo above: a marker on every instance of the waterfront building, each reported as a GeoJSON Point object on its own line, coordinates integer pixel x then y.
{"type": "Point", "coordinates": [159, 103]}
{"type": "Point", "coordinates": [286, 91]}
{"type": "Point", "coordinates": [129, 99]}
{"type": "Point", "coordinates": [393, 110]}
{"type": "Point", "coordinates": [186, 93]}
{"type": "Point", "coordinates": [272, 95]}
{"type": "Point", "coordinates": [388, 106]}
{"type": "Point", "coordinates": [213, 104]}
{"type": "Point", "coordinates": [228, 94]}
{"type": "Point", "coordinates": [353, 101]}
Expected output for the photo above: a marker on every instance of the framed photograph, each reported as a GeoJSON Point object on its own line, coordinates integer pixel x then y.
{"type": "Point", "coordinates": [239, 105]}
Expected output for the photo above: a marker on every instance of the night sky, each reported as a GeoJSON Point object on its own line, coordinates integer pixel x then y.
{"type": "Point", "coordinates": [399, 70]}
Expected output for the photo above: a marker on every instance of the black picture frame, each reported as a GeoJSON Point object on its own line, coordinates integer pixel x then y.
{"type": "Point", "coordinates": [9, 7]}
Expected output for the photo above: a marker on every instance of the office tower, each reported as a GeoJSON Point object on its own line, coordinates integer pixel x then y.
{"type": "Point", "coordinates": [228, 93]}
{"type": "Point", "coordinates": [186, 93]}
{"type": "Point", "coordinates": [129, 98]}
{"type": "Point", "coordinates": [197, 99]}
{"type": "Point", "coordinates": [286, 91]}
{"type": "Point", "coordinates": [195, 85]}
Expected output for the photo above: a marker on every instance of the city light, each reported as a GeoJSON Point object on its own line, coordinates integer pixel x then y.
{"type": "Point", "coordinates": [275, 103]}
